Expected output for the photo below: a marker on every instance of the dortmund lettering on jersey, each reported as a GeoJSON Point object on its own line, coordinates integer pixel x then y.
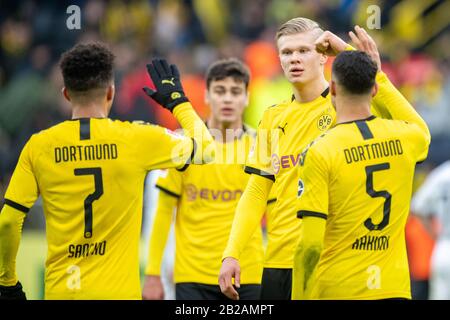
{"type": "Point", "coordinates": [208, 196]}
{"type": "Point", "coordinates": [83, 153]}
{"type": "Point", "coordinates": [359, 177]}
{"type": "Point", "coordinates": [90, 174]}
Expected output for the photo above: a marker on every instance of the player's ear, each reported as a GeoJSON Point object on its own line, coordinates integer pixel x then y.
{"type": "Point", "coordinates": [323, 59]}
{"type": "Point", "coordinates": [110, 92]}
{"type": "Point", "coordinates": [374, 90]}
{"type": "Point", "coordinates": [65, 93]}
{"type": "Point", "coordinates": [207, 99]}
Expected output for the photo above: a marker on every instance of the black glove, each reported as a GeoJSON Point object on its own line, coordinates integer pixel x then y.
{"type": "Point", "coordinates": [169, 92]}
{"type": "Point", "coordinates": [12, 292]}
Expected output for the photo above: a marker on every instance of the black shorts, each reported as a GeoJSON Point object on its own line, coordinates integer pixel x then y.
{"type": "Point", "coordinates": [200, 291]}
{"type": "Point", "coordinates": [276, 284]}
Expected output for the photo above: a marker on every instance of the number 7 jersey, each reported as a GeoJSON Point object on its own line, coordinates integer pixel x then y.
{"type": "Point", "coordinates": [358, 176]}
{"type": "Point", "coordinates": [90, 174]}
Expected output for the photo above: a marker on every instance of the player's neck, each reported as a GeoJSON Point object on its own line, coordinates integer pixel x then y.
{"type": "Point", "coordinates": [234, 129]}
{"type": "Point", "coordinates": [349, 109]}
{"type": "Point", "coordinates": [306, 92]}
{"type": "Point", "coordinates": [89, 111]}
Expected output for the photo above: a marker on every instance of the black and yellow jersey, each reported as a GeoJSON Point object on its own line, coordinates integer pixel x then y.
{"type": "Point", "coordinates": [358, 176]}
{"type": "Point", "coordinates": [285, 130]}
{"type": "Point", "coordinates": [207, 198]}
{"type": "Point", "coordinates": [90, 173]}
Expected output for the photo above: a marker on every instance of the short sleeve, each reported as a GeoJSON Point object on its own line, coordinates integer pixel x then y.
{"type": "Point", "coordinates": [312, 192]}
{"type": "Point", "coordinates": [170, 181]}
{"type": "Point", "coordinates": [160, 148]}
{"type": "Point", "coordinates": [23, 189]}
{"type": "Point", "coordinates": [259, 157]}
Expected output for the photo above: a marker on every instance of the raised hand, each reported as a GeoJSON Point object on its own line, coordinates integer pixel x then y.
{"type": "Point", "coordinates": [169, 91]}
{"type": "Point", "coordinates": [364, 42]}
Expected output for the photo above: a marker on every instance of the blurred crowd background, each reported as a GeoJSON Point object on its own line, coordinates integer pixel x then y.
{"type": "Point", "coordinates": [414, 40]}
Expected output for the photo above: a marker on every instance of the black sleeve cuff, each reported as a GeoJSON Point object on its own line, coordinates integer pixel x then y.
{"type": "Point", "coordinates": [16, 205]}
{"type": "Point", "coordinates": [170, 193]}
{"type": "Point", "coordinates": [191, 158]}
{"type": "Point", "coordinates": [305, 213]}
{"type": "Point", "coordinates": [261, 173]}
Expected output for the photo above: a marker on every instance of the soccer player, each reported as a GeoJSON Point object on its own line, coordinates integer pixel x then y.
{"type": "Point", "coordinates": [284, 131]}
{"type": "Point", "coordinates": [205, 199]}
{"type": "Point", "coordinates": [354, 190]}
{"type": "Point", "coordinates": [432, 201]}
{"type": "Point", "coordinates": [90, 173]}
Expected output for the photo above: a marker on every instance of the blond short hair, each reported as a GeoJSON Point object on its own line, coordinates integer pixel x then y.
{"type": "Point", "coordinates": [297, 25]}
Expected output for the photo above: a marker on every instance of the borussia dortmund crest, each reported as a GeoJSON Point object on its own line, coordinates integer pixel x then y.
{"type": "Point", "coordinates": [324, 122]}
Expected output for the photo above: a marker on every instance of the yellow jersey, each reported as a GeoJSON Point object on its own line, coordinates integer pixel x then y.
{"type": "Point", "coordinates": [207, 199]}
{"type": "Point", "coordinates": [283, 132]}
{"type": "Point", "coordinates": [90, 173]}
{"type": "Point", "coordinates": [358, 176]}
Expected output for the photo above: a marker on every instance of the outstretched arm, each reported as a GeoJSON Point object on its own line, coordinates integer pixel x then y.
{"type": "Point", "coordinates": [169, 93]}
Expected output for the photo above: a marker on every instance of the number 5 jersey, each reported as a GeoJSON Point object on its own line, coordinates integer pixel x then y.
{"type": "Point", "coordinates": [358, 176]}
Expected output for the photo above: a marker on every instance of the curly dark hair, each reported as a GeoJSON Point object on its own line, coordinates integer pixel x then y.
{"type": "Point", "coordinates": [355, 71]}
{"type": "Point", "coordinates": [230, 67]}
{"type": "Point", "coordinates": [87, 66]}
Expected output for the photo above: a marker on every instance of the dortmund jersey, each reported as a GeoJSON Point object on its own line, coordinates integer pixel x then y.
{"type": "Point", "coordinates": [90, 174]}
{"type": "Point", "coordinates": [284, 131]}
{"type": "Point", "coordinates": [208, 196]}
{"type": "Point", "coordinates": [358, 176]}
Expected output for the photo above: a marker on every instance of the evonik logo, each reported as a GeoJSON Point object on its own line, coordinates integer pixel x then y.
{"type": "Point", "coordinates": [193, 193]}
{"type": "Point", "coordinates": [285, 161]}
